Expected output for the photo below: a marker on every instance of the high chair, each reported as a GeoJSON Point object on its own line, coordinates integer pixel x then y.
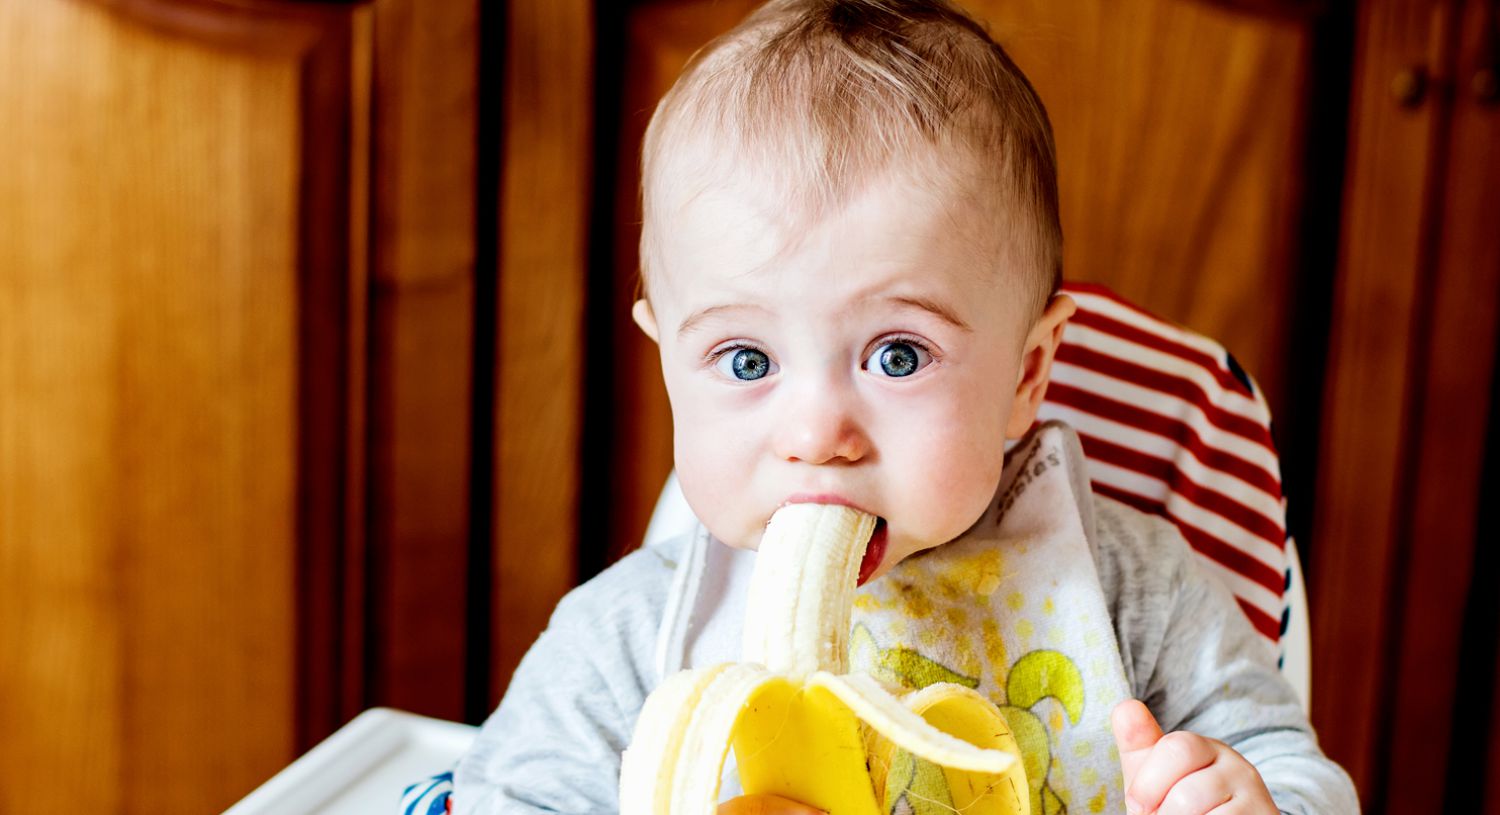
{"type": "Point", "coordinates": [1169, 423]}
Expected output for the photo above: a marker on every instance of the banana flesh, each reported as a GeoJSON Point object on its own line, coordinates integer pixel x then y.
{"type": "Point", "coordinates": [801, 726]}
{"type": "Point", "coordinates": [802, 590]}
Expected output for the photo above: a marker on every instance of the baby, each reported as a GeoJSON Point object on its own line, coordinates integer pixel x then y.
{"type": "Point", "coordinates": [851, 253]}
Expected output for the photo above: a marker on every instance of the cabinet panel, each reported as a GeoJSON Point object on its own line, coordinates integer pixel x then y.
{"type": "Point", "coordinates": [1372, 363]}
{"type": "Point", "coordinates": [424, 107]}
{"type": "Point", "coordinates": [175, 274]}
{"type": "Point", "coordinates": [539, 351]}
{"type": "Point", "coordinates": [1441, 573]}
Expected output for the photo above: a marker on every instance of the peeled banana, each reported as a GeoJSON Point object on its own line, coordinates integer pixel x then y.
{"type": "Point", "coordinates": [800, 725]}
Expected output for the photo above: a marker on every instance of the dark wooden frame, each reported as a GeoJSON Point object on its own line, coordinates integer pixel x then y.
{"type": "Point", "coordinates": [540, 299]}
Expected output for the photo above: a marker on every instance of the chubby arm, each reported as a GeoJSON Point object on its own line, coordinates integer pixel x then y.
{"type": "Point", "coordinates": [554, 744]}
{"type": "Point", "coordinates": [1201, 669]}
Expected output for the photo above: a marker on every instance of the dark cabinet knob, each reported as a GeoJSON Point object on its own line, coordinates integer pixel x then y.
{"type": "Point", "coordinates": [1409, 86]}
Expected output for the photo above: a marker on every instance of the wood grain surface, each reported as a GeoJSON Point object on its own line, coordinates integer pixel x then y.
{"type": "Point", "coordinates": [182, 334]}
{"type": "Point", "coordinates": [148, 415]}
{"type": "Point", "coordinates": [540, 355]}
{"type": "Point", "coordinates": [422, 350]}
{"type": "Point", "coordinates": [1373, 375]}
{"type": "Point", "coordinates": [1447, 439]}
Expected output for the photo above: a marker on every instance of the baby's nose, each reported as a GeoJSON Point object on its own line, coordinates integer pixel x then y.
{"type": "Point", "coordinates": [821, 428]}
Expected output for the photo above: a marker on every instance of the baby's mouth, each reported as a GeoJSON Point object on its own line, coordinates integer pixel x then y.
{"type": "Point", "coordinates": [874, 552]}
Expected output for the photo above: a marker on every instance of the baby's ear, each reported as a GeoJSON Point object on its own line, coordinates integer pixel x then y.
{"type": "Point", "coordinates": [645, 318]}
{"type": "Point", "coordinates": [1036, 364]}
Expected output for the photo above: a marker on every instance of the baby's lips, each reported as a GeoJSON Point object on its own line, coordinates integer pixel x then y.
{"type": "Point", "coordinates": [874, 552]}
{"type": "Point", "coordinates": [829, 498]}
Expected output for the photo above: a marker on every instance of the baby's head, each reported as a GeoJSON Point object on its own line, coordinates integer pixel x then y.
{"type": "Point", "coordinates": [850, 254]}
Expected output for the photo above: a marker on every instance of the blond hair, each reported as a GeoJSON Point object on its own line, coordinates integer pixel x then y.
{"type": "Point", "coordinates": [822, 96]}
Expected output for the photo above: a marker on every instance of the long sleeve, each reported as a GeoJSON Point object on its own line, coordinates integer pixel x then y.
{"type": "Point", "coordinates": [554, 743]}
{"type": "Point", "coordinates": [1196, 662]}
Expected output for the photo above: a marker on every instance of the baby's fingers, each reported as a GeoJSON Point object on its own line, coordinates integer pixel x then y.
{"type": "Point", "coordinates": [1202, 792]}
{"type": "Point", "coordinates": [1173, 758]}
{"type": "Point", "coordinates": [1136, 732]}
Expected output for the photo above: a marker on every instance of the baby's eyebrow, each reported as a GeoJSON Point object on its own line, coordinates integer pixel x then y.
{"type": "Point", "coordinates": [939, 310]}
{"type": "Point", "coordinates": [694, 320]}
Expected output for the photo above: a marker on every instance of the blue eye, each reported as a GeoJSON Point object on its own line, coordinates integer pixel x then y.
{"type": "Point", "coordinates": [745, 364]}
{"type": "Point", "coordinates": [897, 359]}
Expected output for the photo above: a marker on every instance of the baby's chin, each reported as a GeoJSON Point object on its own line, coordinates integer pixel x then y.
{"type": "Point", "coordinates": [734, 538]}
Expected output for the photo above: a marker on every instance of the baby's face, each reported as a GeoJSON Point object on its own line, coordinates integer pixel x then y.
{"type": "Point", "coordinates": [878, 358]}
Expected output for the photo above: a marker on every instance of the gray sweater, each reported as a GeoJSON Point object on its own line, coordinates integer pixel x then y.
{"type": "Point", "coordinates": [554, 744]}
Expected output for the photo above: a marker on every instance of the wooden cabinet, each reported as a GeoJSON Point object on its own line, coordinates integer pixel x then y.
{"type": "Point", "coordinates": [236, 303]}
{"type": "Point", "coordinates": [1402, 588]}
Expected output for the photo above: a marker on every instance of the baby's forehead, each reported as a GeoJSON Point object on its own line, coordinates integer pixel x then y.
{"type": "Point", "coordinates": [896, 237]}
{"type": "Point", "coordinates": [711, 185]}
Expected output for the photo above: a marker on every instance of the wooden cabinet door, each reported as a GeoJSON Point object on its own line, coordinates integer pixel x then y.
{"type": "Point", "coordinates": [1403, 585]}
{"type": "Point", "coordinates": [236, 296]}
{"type": "Point", "coordinates": [173, 328]}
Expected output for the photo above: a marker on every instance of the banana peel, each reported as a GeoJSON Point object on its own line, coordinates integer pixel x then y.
{"type": "Point", "coordinates": [800, 725]}
{"type": "Point", "coordinates": [964, 713]}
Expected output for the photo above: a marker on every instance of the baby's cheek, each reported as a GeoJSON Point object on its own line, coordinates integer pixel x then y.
{"type": "Point", "coordinates": [961, 500]}
{"type": "Point", "coordinates": [958, 482]}
{"type": "Point", "coordinates": [712, 472]}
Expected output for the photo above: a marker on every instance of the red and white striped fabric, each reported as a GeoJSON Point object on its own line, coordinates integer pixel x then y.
{"type": "Point", "coordinates": [1173, 426]}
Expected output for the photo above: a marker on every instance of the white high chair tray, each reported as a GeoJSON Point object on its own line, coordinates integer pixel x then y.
{"type": "Point", "coordinates": [363, 768]}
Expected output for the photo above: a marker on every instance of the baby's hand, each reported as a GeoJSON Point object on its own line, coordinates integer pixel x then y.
{"type": "Point", "coordinates": [765, 805]}
{"type": "Point", "coordinates": [1183, 773]}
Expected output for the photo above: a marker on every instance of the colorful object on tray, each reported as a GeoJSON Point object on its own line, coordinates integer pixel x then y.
{"type": "Point", "coordinates": [429, 797]}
